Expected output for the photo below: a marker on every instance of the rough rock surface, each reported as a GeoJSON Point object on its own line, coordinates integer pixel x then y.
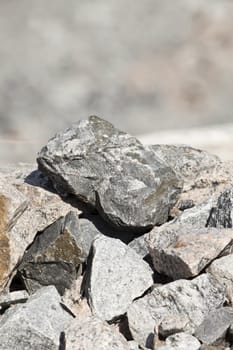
{"type": "Point", "coordinates": [222, 214]}
{"type": "Point", "coordinates": [117, 276]}
{"type": "Point", "coordinates": [185, 253]}
{"type": "Point", "coordinates": [133, 345]}
{"type": "Point", "coordinates": [222, 270]}
{"type": "Point", "coordinates": [204, 174]}
{"type": "Point", "coordinates": [54, 256]}
{"type": "Point", "coordinates": [12, 204]}
{"type": "Point", "coordinates": [214, 327]}
{"type": "Point", "coordinates": [112, 171]}
{"type": "Point", "coordinates": [36, 324]}
{"type": "Point", "coordinates": [181, 341]}
{"type": "Point", "coordinates": [100, 269]}
{"type": "Point", "coordinates": [42, 209]}
{"type": "Point", "coordinates": [92, 334]}
{"type": "Point", "coordinates": [194, 299]}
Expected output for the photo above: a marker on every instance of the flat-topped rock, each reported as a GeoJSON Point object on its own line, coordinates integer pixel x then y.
{"type": "Point", "coordinates": [185, 252]}
{"type": "Point", "coordinates": [111, 170]}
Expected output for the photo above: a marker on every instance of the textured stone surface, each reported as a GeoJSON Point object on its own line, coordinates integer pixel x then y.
{"type": "Point", "coordinates": [215, 325]}
{"type": "Point", "coordinates": [193, 299]}
{"type": "Point", "coordinates": [181, 341]}
{"type": "Point", "coordinates": [186, 252]}
{"type": "Point", "coordinates": [117, 275]}
{"type": "Point", "coordinates": [222, 270]}
{"type": "Point", "coordinates": [44, 207]}
{"type": "Point", "coordinates": [91, 334]}
{"type": "Point", "coordinates": [222, 214]}
{"type": "Point", "coordinates": [204, 174]}
{"type": "Point", "coordinates": [54, 256]}
{"type": "Point", "coordinates": [36, 324]}
{"type": "Point", "coordinates": [12, 204]}
{"type": "Point", "coordinates": [111, 170]}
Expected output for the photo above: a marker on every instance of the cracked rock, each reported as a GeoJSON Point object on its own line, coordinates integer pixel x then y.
{"type": "Point", "coordinates": [111, 170]}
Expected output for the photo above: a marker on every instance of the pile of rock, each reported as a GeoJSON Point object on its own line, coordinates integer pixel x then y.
{"type": "Point", "coordinates": [113, 245]}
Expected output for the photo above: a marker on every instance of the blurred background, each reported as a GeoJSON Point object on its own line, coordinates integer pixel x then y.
{"type": "Point", "coordinates": [158, 69]}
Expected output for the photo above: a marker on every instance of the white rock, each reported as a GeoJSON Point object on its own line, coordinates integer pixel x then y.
{"type": "Point", "coordinates": [194, 299]}
{"type": "Point", "coordinates": [117, 276]}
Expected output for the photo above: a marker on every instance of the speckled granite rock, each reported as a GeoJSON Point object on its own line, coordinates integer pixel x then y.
{"type": "Point", "coordinates": [117, 275]}
{"type": "Point", "coordinates": [112, 171]}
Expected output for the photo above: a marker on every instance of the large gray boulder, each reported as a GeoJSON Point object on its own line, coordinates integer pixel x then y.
{"type": "Point", "coordinates": [191, 299]}
{"type": "Point", "coordinates": [117, 276]}
{"type": "Point", "coordinates": [38, 324]}
{"type": "Point", "coordinates": [111, 170]}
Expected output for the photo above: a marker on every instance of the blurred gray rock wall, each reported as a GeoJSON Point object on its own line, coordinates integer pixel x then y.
{"type": "Point", "coordinates": [143, 65]}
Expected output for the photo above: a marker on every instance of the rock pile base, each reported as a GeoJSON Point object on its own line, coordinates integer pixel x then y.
{"type": "Point", "coordinates": [113, 245]}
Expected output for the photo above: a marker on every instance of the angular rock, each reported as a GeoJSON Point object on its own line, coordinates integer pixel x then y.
{"type": "Point", "coordinates": [214, 327]}
{"type": "Point", "coordinates": [194, 299]}
{"type": "Point", "coordinates": [117, 275]}
{"type": "Point", "coordinates": [111, 170]}
{"type": "Point", "coordinates": [55, 255]}
{"type": "Point", "coordinates": [184, 253]}
{"type": "Point", "coordinates": [12, 204]}
{"type": "Point", "coordinates": [222, 270]}
{"type": "Point", "coordinates": [181, 341]}
{"type": "Point", "coordinates": [39, 208]}
{"type": "Point", "coordinates": [204, 174]}
{"type": "Point", "coordinates": [36, 324]}
{"type": "Point", "coordinates": [92, 334]}
{"type": "Point", "coordinates": [221, 215]}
